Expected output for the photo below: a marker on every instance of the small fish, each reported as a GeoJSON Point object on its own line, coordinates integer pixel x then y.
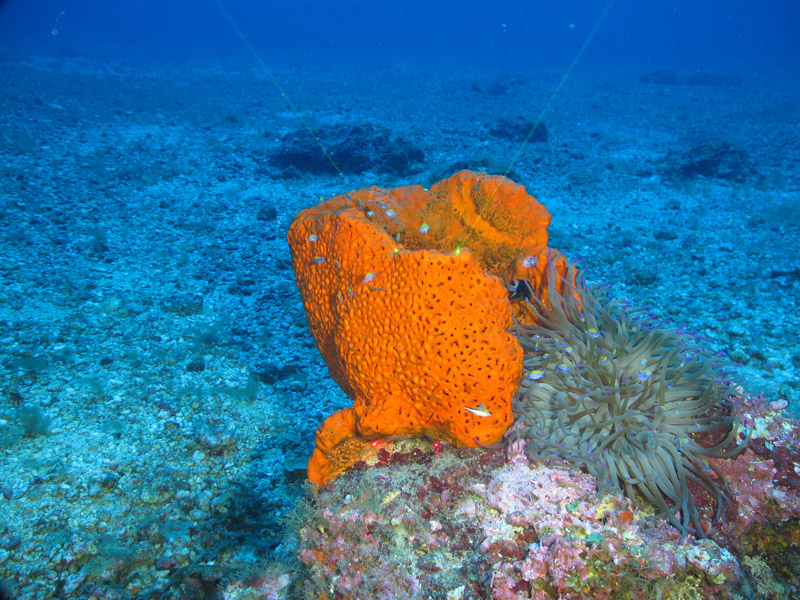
{"type": "Point", "coordinates": [370, 213]}
{"type": "Point", "coordinates": [592, 332]}
{"type": "Point", "coordinates": [319, 259]}
{"type": "Point", "coordinates": [313, 238]}
{"type": "Point", "coordinates": [521, 290]}
{"type": "Point", "coordinates": [368, 277]}
{"type": "Point", "coordinates": [568, 349]}
{"type": "Point", "coordinates": [563, 367]}
{"type": "Point", "coordinates": [424, 228]}
{"type": "Point", "coordinates": [535, 375]}
{"type": "Point", "coordinates": [479, 410]}
{"type": "Point", "coordinates": [390, 496]}
{"type": "Point", "coordinates": [390, 213]}
{"type": "Point", "coordinates": [645, 375]}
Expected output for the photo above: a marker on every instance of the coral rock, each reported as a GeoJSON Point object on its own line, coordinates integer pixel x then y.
{"type": "Point", "coordinates": [427, 522]}
{"type": "Point", "coordinates": [404, 294]}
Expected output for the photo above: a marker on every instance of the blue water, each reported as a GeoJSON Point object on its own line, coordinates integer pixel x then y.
{"type": "Point", "coordinates": [742, 35]}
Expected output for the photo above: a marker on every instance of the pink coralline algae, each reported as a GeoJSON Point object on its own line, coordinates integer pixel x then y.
{"type": "Point", "coordinates": [463, 524]}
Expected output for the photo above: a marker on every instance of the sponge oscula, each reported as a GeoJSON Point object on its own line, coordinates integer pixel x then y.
{"type": "Point", "coordinates": [401, 294]}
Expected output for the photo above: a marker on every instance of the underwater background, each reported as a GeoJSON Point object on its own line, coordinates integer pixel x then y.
{"type": "Point", "coordinates": [159, 386]}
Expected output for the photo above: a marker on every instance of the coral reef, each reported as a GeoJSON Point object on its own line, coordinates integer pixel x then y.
{"type": "Point", "coordinates": [459, 523]}
{"type": "Point", "coordinates": [641, 406]}
{"type": "Point", "coordinates": [416, 332]}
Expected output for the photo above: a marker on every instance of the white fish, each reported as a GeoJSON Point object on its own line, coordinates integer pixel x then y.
{"type": "Point", "coordinates": [479, 410]}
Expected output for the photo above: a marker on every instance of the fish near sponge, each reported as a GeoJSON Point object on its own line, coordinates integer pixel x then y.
{"type": "Point", "coordinates": [413, 325]}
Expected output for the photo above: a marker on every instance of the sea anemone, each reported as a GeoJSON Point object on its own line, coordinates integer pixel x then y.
{"type": "Point", "coordinates": [640, 405]}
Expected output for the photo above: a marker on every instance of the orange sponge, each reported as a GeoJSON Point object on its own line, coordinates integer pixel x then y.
{"type": "Point", "coordinates": [413, 325]}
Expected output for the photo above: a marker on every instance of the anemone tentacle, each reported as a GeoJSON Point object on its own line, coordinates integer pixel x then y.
{"type": "Point", "coordinates": [626, 397]}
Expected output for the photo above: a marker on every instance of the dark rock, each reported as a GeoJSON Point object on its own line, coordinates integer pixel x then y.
{"type": "Point", "coordinates": [295, 468]}
{"type": "Point", "coordinates": [354, 149]}
{"type": "Point", "coordinates": [109, 481]}
{"type": "Point", "coordinates": [183, 304]}
{"type": "Point", "coordinates": [713, 160]}
{"type": "Point", "coordinates": [32, 420]}
{"type": "Point", "coordinates": [267, 213]}
{"type": "Point", "coordinates": [790, 274]}
{"type": "Point", "coordinates": [271, 374]}
{"type": "Point", "coordinates": [660, 77]}
{"type": "Point", "coordinates": [196, 366]}
{"type": "Point", "coordinates": [665, 234]}
{"type": "Point", "coordinates": [517, 130]}
{"type": "Point", "coordinates": [501, 85]}
{"type": "Point", "coordinates": [701, 78]}
{"type": "Point", "coordinates": [643, 276]}
{"type": "Point", "coordinates": [243, 286]}
{"type": "Point", "coordinates": [15, 398]}
{"type": "Point", "coordinates": [214, 435]}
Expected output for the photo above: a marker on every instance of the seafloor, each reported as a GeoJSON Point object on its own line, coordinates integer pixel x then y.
{"type": "Point", "coordinates": [160, 388]}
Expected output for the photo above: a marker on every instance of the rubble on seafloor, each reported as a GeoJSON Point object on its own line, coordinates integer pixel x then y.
{"type": "Point", "coordinates": [429, 521]}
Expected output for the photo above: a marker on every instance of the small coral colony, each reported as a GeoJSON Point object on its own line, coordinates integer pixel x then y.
{"type": "Point", "coordinates": [442, 313]}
